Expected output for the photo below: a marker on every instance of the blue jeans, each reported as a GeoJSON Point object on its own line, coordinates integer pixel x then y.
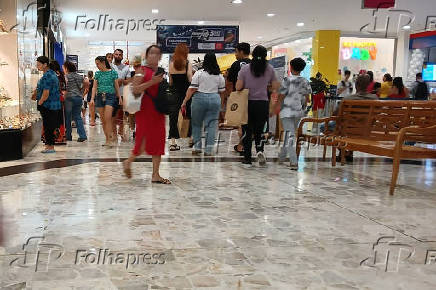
{"type": "Point", "coordinates": [205, 109]}
{"type": "Point", "coordinates": [73, 110]}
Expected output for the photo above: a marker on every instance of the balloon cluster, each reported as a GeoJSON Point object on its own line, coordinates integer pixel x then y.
{"type": "Point", "coordinates": [415, 65]}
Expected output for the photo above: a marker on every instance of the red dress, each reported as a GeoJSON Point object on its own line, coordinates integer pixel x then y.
{"type": "Point", "coordinates": [150, 124]}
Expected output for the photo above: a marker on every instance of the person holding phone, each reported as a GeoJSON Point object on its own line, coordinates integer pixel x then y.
{"type": "Point", "coordinates": [150, 124]}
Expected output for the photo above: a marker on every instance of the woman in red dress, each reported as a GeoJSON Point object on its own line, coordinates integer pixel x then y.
{"type": "Point", "coordinates": [150, 124]}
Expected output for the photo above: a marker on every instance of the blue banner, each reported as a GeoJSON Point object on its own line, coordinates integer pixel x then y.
{"type": "Point", "coordinates": [200, 39]}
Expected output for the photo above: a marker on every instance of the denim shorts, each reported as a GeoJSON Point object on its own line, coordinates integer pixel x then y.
{"type": "Point", "coordinates": [106, 99]}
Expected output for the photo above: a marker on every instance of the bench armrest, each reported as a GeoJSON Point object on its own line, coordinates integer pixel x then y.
{"type": "Point", "coordinates": [402, 135]}
{"type": "Point", "coordinates": [315, 120]}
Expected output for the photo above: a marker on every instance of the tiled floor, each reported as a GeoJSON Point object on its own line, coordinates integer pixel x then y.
{"type": "Point", "coordinates": [218, 226]}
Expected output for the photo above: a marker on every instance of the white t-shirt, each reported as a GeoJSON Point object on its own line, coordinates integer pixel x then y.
{"type": "Point", "coordinates": [348, 88]}
{"type": "Point", "coordinates": [206, 83]}
{"type": "Point", "coordinates": [123, 72]}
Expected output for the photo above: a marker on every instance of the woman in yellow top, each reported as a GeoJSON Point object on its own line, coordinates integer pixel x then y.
{"type": "Point", "coordinates": [386, 86]}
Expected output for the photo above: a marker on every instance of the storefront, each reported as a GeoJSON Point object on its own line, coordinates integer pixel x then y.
{"type": "Point", "coordinates": [369, 54]}
{"type": "Point", "coordinates": [296, 48]}
{"type": "Point", "coordinates": [423, 58]}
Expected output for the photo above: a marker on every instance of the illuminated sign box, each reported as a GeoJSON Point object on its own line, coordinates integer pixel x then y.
{"type": "Point", "coordinates": [359, 50]}
{"type": "Point", "coordinates": [378, 4]}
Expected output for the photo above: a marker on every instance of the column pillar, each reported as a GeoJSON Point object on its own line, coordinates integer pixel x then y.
{"type": "Point", "coordinates": [325, 54]}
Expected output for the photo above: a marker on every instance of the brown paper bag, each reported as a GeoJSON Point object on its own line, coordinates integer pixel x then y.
{"type": "Point", "coordinates": [183, 126]}
{"type": "Point", "coordinates": [237, 109]}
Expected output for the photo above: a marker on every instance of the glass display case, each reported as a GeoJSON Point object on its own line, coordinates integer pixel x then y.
{"type": "Point", "coordinates": [18, 73]}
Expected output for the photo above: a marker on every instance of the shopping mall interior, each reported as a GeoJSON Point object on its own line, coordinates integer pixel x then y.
{"type": "Point", "coordinates": [222, 144]}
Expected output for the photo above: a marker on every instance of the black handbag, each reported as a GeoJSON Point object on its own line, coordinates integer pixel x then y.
{"type": "Point", "coordinates": [166, 100]}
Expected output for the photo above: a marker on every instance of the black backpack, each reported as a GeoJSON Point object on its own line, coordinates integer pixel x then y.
{"type": "Point", "coordinates": [421, 91]}
{"type": "Point", "coordinates": [166, 100]}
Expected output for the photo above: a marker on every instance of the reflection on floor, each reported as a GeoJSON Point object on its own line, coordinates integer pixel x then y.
{"type": "Point", "coordinates": [218, 226]}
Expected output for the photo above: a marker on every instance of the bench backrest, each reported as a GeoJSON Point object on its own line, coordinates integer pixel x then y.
{"type": "Point", "coordinates": [382, 120]}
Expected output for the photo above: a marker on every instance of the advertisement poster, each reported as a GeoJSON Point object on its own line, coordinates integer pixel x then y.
{"type": "Point", "coordinates": [280, 67]}
{"type": "Point", "coordinates": [200, 39]}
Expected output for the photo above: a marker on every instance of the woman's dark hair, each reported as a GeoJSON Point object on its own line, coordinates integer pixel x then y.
{"type": "Point", "coordinates": [259, 63]}
{"type": "Point", "coordinates": [371, 75]}
{"type": "Point", "coordinates": [150, 47]}
{"type": "Point", "coordinates": [210, 64]}
{"type": "Point", "coordinates": [102, 58]}
{"type": "Point", "coordinates": [388, 77]}
{"type": "Point", "coordinates": [55, 66]}
{"type": "Point", "coordinates": [398, 83]}
{"type": "Point", "coordinates": [71, 67]}
{"type": "Point", "coordinates": [43, 59]}
{"type": "Point", "coordinates": [90, 74]}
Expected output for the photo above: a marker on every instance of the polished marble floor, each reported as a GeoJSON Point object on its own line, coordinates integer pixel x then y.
{"type": "Point", "coordinates": [72, 221]}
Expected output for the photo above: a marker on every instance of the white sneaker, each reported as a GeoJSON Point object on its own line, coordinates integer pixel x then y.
{"type": "Point", "coordinates": [261, 159]}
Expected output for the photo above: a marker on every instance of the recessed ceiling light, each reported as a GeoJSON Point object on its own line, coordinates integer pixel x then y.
{"type": "Point", "coordinates": [406, 27]}
{"type": "Point", "coordinates": [298, 41]}
{"type": "Point", "coordinates": [300, 24]}
{"type": "Point", "coordinates": [259, 37]}
{"type": "Point", "coordinates": [201, 22]}
{"type": "Point", "coordinates": [270, 15]}
{"type": "Point", "coordinates": [236, 1]}
{"type": "Point", "coordinates": [155, 11]}
{"type": "Point", "coordinates": [286, 43]}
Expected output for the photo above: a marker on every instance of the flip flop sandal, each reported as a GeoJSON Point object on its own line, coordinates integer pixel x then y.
{"type": "Point", "coordinates": [174, 148]}
{"type": "Point", "coordinates": [236, 149]}
{"type": "Point", "coordinates": [127, 170]}
{"type": "Point", "coordinates": [162, 181]}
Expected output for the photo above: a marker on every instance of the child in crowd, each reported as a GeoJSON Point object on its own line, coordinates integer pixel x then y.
{"type": "Point", "coordinates": [294, 95]}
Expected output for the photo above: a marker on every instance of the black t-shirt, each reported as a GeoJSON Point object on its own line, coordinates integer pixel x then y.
{"type": "Point", "coordinates": [234, 70]}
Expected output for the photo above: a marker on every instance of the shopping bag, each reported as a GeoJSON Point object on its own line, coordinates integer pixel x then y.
{"type": "Point", "coordinates": [237, 109]}
{"type": "Point", "coordinates": [183, 125]}
{"type": "Point", "coordinates": [130, 103]}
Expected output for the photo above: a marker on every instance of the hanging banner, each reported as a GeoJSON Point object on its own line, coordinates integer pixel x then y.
{"type": "Point", "coordinates": [200, 39]}
{"type": "Point", "coordinates": [280, 66]}
{"type": "Point", "coordinates": [378, 4]}
{"type": "Point", "coordinates": [73, 58]}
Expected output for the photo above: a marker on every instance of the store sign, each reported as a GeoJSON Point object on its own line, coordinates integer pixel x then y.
{"type": "Point", "coordinates": [359, 50]}
{"type": "Point", "coordinates": [200, 39]}
{"type": "Point", "coordinates": [378, 4]}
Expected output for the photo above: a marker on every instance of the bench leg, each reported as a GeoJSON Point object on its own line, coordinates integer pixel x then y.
{"type": "Point", "coordinates": [298, 149]}
{"type": "Point", "coordinates": [333, 156]}
{"type": "Point", "coordinates": [342, 157]}
{"type": "Point", "coordinates": [324, 152]}
{"type": "Point", "coordinates": [395, 171]}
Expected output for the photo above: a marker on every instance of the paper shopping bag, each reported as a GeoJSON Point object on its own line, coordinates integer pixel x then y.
{"type": "Point", "coordinates": [237, 109]}
{"type": "Point", "coordinates": [183, 125]}
{"type": "Point", "coordinates": [130, 103]}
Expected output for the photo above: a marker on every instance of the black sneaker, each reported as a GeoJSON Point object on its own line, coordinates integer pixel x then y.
{"type": "Point", "coordinates": [81, 140]}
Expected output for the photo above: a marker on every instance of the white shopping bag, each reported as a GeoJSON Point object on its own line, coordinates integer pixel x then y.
{"type": "Point", "coordinates": [130, 103]}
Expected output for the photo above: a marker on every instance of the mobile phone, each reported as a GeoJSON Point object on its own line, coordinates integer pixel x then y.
{"type": "Point", "coordinates": [159, 71]}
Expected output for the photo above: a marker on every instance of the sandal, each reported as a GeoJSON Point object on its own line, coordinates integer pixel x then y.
{"type": "Point", "coordinates": [162, 181]}
{"type": "Point", "coordinates": [236, 148]}
{"type": "Point", "coordinates": [191, 144]}
{"type": "Point", "coordinates": [174, 147]}
{"type": "Point", "coordinates": [127, 170]}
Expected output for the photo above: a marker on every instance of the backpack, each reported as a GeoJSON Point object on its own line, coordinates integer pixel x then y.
{"type": "Point", "coordinates": [421, 91]}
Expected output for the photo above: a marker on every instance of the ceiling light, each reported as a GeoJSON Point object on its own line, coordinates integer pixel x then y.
{"type": "Point", "coordinates": [298, 41]}
{"type": "Point", "coordinates": [155, 11]}
{"type": "Point", "coordinates": [300, 24]}
{"type": "Point", "coordinates": [270, 15]}
{"type": "Point", "coordinates": [201, 22]}
{"type": "Point", "coordinates": [236, 1]}
{"type": "Point", "coordinates": [285, 43]}
{"type": "Point", "coordinates": [406, 27]}
{"type": "Point", "coordinates": [259, 37]}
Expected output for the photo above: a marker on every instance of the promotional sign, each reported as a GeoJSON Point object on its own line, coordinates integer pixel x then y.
{"type": "Point", "coordinates": [378, 4]}
{"type": "Point", "coordinates": [359, 50]}
{"type": "Point", "coordinates": [280, 66]}
{"type": "Point", "coordinates": [200, 39]}
{"type": "Point", "coordinates": [74, 59]}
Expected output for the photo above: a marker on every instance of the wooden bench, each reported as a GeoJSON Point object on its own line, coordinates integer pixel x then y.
{"type": "Point", "coordinates": [380, 128]}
